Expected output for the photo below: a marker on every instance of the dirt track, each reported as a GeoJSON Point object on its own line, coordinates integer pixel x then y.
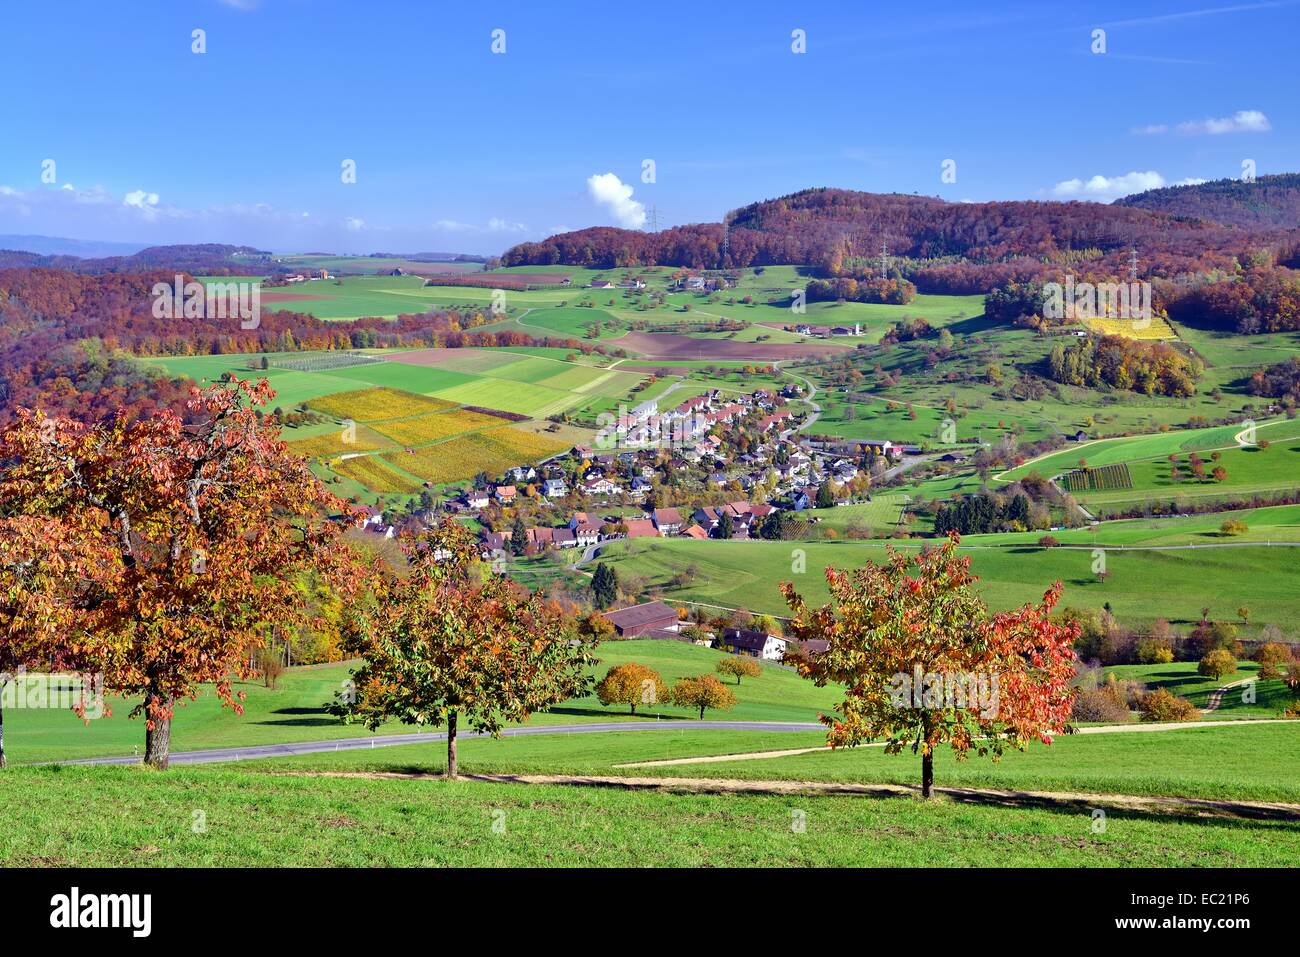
{"type": "Point", "coordinates": [672, 346]}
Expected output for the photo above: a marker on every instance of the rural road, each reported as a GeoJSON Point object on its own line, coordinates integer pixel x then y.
{"type": "Point", "coordinates": [253, 752]}
{"type": "Point", "coordinates": [292, 749]}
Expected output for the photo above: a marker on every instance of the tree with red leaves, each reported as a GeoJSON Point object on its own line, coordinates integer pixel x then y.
{"type": "Point", "coordinates": [924, 662]}
{"type": "Point", "coordinates": [171, 548]}
{"type": "Point", "coordinates": [452, 639]}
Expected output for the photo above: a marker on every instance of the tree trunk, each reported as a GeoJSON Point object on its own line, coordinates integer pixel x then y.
{"type": "Point", "coordinates": [158, 739]}
{"type": "Point", "coordinates": [2, 736]}
{"type": "Point", "coordinates": [927, 773]}
{"type": "Point", "coordinates": [701, 712]}
{"type": "Point", "coordinates": [451, 744]}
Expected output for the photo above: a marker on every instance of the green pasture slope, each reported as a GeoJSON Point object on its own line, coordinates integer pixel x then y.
{"type": "Point", "coordinates": [295, 710]}
{"type": "Point", "coordinates": [1141, 587]}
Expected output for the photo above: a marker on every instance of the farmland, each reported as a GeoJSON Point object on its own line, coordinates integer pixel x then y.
{"type": "Point", "coordinates": [1140, 587]}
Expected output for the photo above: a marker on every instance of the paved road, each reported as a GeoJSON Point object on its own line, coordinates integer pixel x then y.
{"type": "Point", "coordinates": [388, 740]}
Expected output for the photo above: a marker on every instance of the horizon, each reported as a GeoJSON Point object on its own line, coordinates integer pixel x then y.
{"type": "Point", "coordinates": [449, 157]}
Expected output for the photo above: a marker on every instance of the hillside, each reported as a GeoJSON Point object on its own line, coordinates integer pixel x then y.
{"type": "Point", "coordinates": [942, 247]}
{"type": "Point", "coordinates": [1269, 201]}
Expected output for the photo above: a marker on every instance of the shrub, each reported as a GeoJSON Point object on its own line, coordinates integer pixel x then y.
{"type": "Point", "coordinates": [270, 665]}
{"type": "Point", "coordinates": [1233, 526]}
{"type": "Point", "coordinates": [1217, 663]}
{"type": "Point", "coordinates": [1153, 651]}
{"type": "Point", "coordinates": [1099, 704]}
{"type": "Point", "coordinates": [1048, 541]}
{"type": "Point", "coordinates": [1272, 657]}
{"type": "Point", "coordinates": [1162, 705]}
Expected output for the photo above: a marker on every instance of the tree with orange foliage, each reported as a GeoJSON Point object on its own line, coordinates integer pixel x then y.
{"type": "Point", "coordinates": [451, 638]}
{"type": "Point", "coordinates": [924, 662]}
{"type": "Point", "coordinates": [173, 547]}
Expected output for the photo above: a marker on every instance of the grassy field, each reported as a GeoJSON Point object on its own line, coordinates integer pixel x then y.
{"type": "Point", "coordinates": [1141, 586]}
{"type": "Point", "coordinates": [295, 710]}
{"type": "Point", "coordinates": [128, 817]}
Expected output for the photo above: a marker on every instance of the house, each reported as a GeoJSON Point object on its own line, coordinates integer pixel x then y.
{"type": "Point", "coordinates": [638, 619]}
{"type": "Point", "coordinates": [695, 531]}
{"type": "Point", "coordinates": [586, 533]}
{"type": "Point", "coordinates": [523, 473]}
{"type": "Point", "coordinates": [1080, 436]}
{"type": "Point", "coordinates": [478, 498]}
{"type": "Point", "coordinates": [554, 488]}
{"type": "Point", "coordinates": [600, 486]}
{"type": "Point", "coordinates": [668, 521]}
{"type": "Point", "coordinates": [757, 644]}
{"type": "Point", "coordinates": [601, 284]}
{"type": "Point", "coordinates": [954, 457]}
{"type": "Point", "coordinates": [640, 487]}
{"type": "Point", "coordinates": [641, 528]}
{"type": "Point", "coordinates": [506, 494]}
{"type": "Point", "coordinates": [496, 542]}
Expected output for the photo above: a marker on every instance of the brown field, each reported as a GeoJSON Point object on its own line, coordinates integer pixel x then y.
{"type": "Point", "coordinates": [669, 346]}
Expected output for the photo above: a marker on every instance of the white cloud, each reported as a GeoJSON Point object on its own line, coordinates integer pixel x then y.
{"type": "Point", "coordinates": [616, 196]}
{"type": "Point", "coordinates": [354, 224]}
{"type": "Point", "coordinates": [140, 199]}
{"type": "Point", "coordinates": [1153, 129]}
{"type": "Point", "coordinates": [1105, 188]}
{"type": "Point", "coordinates": [1243, 121]}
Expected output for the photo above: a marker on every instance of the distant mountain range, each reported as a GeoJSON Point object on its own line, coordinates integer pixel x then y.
{"type": "Point", "coordinates": [60, 246]}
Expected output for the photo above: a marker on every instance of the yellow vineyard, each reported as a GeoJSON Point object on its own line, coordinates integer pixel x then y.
{"type": "Point", "coordinates": [1157, 327]}
{"type": "Point", "coordinates": [376, 405]}
{"type": "Point", "coordinates": [431, 428]}
{"type": "Point", "coordinates": [375, 474]}
{"type": "Point", "coordinates": [462, 458]}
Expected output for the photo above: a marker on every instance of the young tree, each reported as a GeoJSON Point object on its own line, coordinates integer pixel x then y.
{"type": "Point", "coordinates": [923, 660]}
{"type": "Point", "coordinates": [1273, 658]}
{"type": "Point", "coordinates": [518, 537]}
{"type": "Point", "coordinates": [452, 639]}
{"type": "Point", "coordinates": [1217, 663]}
{"type": "Point", "coordinates": [604, 585]}
{"type": "Point", "coordinates": [631, 684]}
{"type": "Point", "coordinates": [703, 692]}
{"type": "Point", "coordinates": [194, 532]}
{"type": "Point", "coordinates": [738, 666]}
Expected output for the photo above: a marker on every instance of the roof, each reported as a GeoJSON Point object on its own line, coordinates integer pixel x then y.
{"type": "Point", "coordinates": [643, 614]}
{"type": "Point", "coordinates": [695, 531]}
{"type": "Point", "coordinates": [744, 639]}
{"type": "Point", "coordinates": [641, 528]}
{"type": "Point", "coordinates": [505, 490]}
{"type": "Point", "coordinates": [668, 516]}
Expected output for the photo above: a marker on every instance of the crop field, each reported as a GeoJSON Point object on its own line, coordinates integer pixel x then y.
{"type": "Point", "coordinates": [376, 474]}
{"type": "Point", "coordinates": [491, 451]}
{"type": "Point", "coordinates": [338, 442]}
{"type": "Point", "coordinates": [1100, 479]}
{"type": "Point", "coordinates": [1156, 328]}
{"type": "Point", "coordinates": [423, 429]}
{"type": "Point", "coordinates": [375, 405]}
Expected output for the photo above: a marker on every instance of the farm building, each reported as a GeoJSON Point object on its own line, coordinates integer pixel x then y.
{"type": "Point", "coordinates": [757, 644]}
{"type": "Point", "coordinates": [638, 619]}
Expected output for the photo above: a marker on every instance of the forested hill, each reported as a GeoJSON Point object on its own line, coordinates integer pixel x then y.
{"type": "Point", "coordinates": [1268, 201]}
{"type": "Point", "coordinates": [941, 246]}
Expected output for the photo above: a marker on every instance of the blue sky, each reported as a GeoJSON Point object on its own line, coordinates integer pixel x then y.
{"type": "Point", "coordinates": [461, 149]}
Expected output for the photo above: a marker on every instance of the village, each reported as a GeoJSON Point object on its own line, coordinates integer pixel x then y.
{"type": "Point", "coordinates": [712, 467]}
